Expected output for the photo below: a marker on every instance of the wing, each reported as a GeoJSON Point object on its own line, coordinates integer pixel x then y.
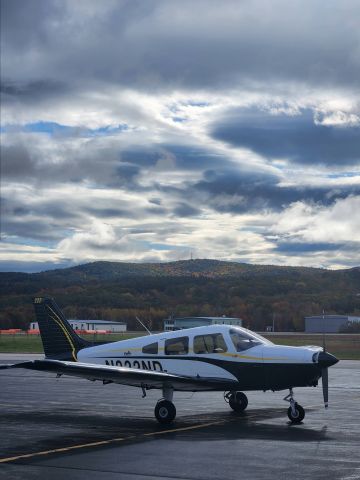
{"type": "Point", "coordinates": [128, 376]}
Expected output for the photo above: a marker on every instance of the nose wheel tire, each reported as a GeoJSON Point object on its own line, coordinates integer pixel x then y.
{"type": "Point", "coordinates": [298, 415]}
{"type": "Point", "coordinates": [238, 401]}
{"type": "Point", "coordinates": [165, 411]}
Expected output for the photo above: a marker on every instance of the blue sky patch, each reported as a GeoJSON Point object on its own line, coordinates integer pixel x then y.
{"type": "Point", "coordinates": [53, 128]}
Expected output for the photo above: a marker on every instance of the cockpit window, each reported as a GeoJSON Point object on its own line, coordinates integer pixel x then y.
{"type": "Point", "coordinates": [213, 343]}
{"type": "Point", "coordinates": [177, 346]}
{"type": "Point", "coordinates": [243, 340]}
{"type": "Point", "coordinates": [151, 349]}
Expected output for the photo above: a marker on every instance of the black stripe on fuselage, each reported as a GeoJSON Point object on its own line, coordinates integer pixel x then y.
{"type": "Point", "coordinates": [250, 375]}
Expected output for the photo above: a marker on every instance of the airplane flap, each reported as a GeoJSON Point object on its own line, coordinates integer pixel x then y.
{"type": "Point", "coordinates": [128, 376]}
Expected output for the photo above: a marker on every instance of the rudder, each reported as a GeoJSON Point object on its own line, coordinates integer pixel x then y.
{"type": "Point", "coordinates": [59, 339]}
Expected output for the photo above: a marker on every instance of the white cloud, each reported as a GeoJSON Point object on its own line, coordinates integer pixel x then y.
{"type": "Point", "coordinates": [339, 222]}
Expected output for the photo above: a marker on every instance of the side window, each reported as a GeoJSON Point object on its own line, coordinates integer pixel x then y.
{"type": "Point", "coordinates": [177, 346]}
{"type": "Point", "coordinates": [213, 343]}
{"type": "Point", "coordinates": [152, 348]}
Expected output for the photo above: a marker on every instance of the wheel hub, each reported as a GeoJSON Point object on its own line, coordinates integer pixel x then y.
{"type": "Point", "coordinates": [163, 412]}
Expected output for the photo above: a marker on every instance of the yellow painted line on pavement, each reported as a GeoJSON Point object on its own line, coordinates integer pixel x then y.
{"type": "Point", "coordinates": [56, 450]}
{"type": "Point", "coordinates": [183, 429]}
{"type": "Point", "coordinates": [107, 442]}
{"type": "Point", "coordinates": [122, 439]}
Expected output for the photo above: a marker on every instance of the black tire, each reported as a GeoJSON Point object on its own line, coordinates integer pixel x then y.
{"type": "Point", "coordinates": [165, 411]}
{"type": "Point", "coordinates": [238, 401]}
{"type": "Point", "coordinates": [299, 414]}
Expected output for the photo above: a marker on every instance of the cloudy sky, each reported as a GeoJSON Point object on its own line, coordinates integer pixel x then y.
{"type": "Point", "coordinates": [153, 130]}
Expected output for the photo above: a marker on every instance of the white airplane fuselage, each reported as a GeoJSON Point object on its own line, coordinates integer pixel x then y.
{"type": "Point", "coordinates": [259, 365]}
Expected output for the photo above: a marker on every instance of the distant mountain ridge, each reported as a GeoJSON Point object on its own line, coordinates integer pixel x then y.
{"type": "Point", "coordinates": [208, 268]}
{"type": "Point", "coordinates": [182, 268]}
{"type": "Point", "coordinates": [121, 291]}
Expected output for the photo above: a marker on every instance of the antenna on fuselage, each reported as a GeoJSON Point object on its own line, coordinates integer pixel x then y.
{"type": "Point", "coordinates": [141, 323]}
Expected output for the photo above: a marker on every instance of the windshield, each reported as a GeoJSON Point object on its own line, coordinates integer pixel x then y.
{"type": "Point", "coordinates": [244, 339]}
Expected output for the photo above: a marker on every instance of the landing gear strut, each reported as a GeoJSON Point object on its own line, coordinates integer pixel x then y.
{"type": "Point", "coordinates": [237, 400]}
{"type": "Point", "coordinates": [165, 410]}
{"type": "Point", "coordinates": [295, 412]}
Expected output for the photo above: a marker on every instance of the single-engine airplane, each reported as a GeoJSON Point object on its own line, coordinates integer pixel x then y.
{"type": "Point", "coordinates": [211, 358]}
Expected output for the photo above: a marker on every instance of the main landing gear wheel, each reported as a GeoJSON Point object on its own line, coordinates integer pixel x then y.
{"type": "Point", "coordinates": [165, 411]}
{"type": "Point", "coordinates": [296, 413]}
{"type": "Point", "coordinates": [238, 401]}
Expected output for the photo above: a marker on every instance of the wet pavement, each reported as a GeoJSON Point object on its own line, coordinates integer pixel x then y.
{"type": "Point", "coordinates": [76, 429]}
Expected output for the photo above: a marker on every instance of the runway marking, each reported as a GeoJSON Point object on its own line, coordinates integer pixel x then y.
{"type": "Point", "coordinates": [108, 442]}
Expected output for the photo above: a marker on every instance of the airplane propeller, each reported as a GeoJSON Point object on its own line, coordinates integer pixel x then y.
{"type": "Point", "coordinates": [324, 371]}
{"type": "Point", "coordinates": [325, 385]}
{"type": "Point", "coordinates": [326, 360]}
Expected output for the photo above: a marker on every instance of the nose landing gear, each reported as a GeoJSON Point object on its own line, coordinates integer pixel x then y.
{"type": "Point", "coordinates": [238, 401]}
{"type": "Point", "coordinates": [295, 412]}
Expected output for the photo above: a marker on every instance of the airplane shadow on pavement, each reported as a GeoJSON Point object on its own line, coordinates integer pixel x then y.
{"type": "Point", "coordinates": [44, 430]}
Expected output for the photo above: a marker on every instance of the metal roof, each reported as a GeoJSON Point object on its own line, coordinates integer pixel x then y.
{"type": "Point", "coordinates": [205, 318]}
{"type": "Point", "coordinates": [94, 322]}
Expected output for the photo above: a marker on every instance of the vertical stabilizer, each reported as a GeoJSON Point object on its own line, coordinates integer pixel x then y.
{"type": "Point", "coordinates": [59, 339]}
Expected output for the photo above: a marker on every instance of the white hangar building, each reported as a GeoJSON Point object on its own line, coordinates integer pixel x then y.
{"type": "Point", "coordinates": [91, 325]}
{"type": "Point", "coordinates": [190, 322]}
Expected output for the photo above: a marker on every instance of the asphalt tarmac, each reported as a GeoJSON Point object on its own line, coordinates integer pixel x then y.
{"type": "Point", "coordinates": [70, 428]}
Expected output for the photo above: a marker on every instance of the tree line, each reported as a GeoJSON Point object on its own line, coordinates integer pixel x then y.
{"type": "Point", "coordinates": [260, 299]}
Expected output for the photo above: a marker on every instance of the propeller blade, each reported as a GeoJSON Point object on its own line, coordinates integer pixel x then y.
{"type": "Point", "coordinates": [325, 386]}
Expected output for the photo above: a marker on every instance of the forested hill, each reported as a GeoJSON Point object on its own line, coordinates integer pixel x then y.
{"type": "Point", "coordinates": [119, 291]}
{"type": "Point", "coordinates": [109, 271]}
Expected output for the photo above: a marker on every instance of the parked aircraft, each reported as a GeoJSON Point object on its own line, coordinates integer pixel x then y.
{"type": "Point", "coordinates": [211, 358]}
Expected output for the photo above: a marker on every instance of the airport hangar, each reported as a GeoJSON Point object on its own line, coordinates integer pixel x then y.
{"type": "Point", "coordinates": [91, 325]}
{"type": "Point", "coordinates": [190, 322]}
{"type": "Point", "coordinates": [328, 323]}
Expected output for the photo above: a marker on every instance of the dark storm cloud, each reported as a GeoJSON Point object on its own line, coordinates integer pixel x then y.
{"type": "Point", "coordinates": [183, 157]}
{"type": "Point", "coordinates": [126, 173]}
{"type": "Point", "coordinates": [240, 192]}
{"type": "Point", "coordinates": [32, 92]}
{"type": "Point", "coordinates": [41, 230]}
{"type": "Point", "coordinates": [157, 45]}
{"type": "Point", "coordinates": [291, 248]}
{"type": "Point", "coordinates": [25, 24]}
{"type": "Point", "coordinates": [17, 162]}
{"type": "Point", "coordinates": [46, 221]}
{"type": "Point", "coordinates": [185, 210]}
{"type": "Point", "coordinates": [161, 211]}
{"type": "Point", "coordinates": [140, 156]}
{"type": "Point", "coordinates": [110, 212]}
{"type": "Point", "coordinates": [294, 137]}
